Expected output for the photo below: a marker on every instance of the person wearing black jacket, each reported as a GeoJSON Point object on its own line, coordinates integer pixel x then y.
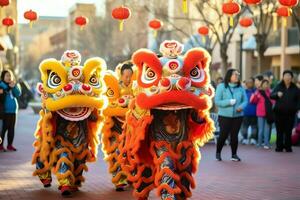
{"type": "Point", "coordinates": [287, 97]}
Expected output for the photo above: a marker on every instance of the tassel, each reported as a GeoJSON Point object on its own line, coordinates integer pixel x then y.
{"type": "Point", "coordinates": [284, 21]}
{"type": "Point", "coordinates": [185, 6]}
{"type": "Point", "coordinates": [121, 25]}
{"type": "Point", "coordinates": [204, 39]}
{"type": "Point", "coordinates": [231, 21]}
{"type": "Point", "coordinates": [155, 33]}
{"type": "Point", "coordinates": [274, 22]}
{"type": "Point", "coordinates": [81, 28]}
{"type": "Point", "coordinates": [30, 24]}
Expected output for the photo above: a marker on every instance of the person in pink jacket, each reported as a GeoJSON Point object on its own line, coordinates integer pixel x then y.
{"type": "Point", "coordinates": [264, 112]}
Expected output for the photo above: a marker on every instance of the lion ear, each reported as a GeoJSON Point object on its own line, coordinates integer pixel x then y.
{"type": "Point", "coordinates": [195, 56]}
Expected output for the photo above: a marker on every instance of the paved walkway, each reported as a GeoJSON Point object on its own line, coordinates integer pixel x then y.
{"type": "Point", "coordinates": [262, 175]}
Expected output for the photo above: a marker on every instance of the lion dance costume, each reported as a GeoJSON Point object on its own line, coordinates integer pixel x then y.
{"type": "Point", "coordinates": [167, 121]}
{"type": "Point", "coordinates": [119, 96]}
{"type": "Point", "coordinates": [67, 132]}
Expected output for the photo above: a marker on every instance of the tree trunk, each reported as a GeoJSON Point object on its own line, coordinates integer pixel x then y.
{"type": "Point", "coordinates": [260, 48]}
{"type": "Point", "coordinates": [259, 61]}
{"type": "Point", "coordinates": [224, 58]}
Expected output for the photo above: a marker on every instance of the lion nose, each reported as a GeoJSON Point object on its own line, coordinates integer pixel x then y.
{"type": "Point", "coordinates": [68, 88]}
{"type": "Point", "coordinates": [85, 89]}
{"type": "Point", "coordinates": [165, 84]}
{"type": "Point", "coordinates": [183, 83]}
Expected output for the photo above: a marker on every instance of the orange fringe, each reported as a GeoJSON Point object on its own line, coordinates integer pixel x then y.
{"type": "Point", "coordinates": [67, 175]}
{"type": "Point", "coordinates": [170, 190]}
{"type": "Point", "coordinates": [144, 193]}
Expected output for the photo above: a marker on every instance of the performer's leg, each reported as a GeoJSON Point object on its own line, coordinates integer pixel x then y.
{"type": "Point", "coordinates": [45, 177]}
{"type": "Point", "coordinates": [185, 166]}
{"type": "Point", "coordinates": [143, 188]}
{"type": "Point", "coordinates": [166, 177]}
{"type": "Point", "coordinates": [65, 174]}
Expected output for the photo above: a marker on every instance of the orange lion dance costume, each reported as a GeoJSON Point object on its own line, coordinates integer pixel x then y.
{"type": "Point", "coordinates": [119, 96]}
{"type": "Point", "coordinates": [67, 132]}
{"type": "Point", "coordinates": [168, 121]}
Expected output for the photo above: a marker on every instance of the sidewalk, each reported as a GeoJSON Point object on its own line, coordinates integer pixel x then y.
{"type": "Point", "coordinates": [262, 174]}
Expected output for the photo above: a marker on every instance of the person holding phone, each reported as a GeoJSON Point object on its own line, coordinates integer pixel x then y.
{"type": "Point", "coordinates": [231, 100]}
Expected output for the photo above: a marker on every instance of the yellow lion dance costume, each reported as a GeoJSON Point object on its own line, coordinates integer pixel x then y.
{"type": "Point", "coordinates": [67, 132]}
{"type": "Point", "coordinates": [168, 121]}
{"type": "Point", "coordinates": [119, 97]}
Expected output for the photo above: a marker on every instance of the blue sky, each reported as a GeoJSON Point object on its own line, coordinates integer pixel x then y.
{"type": "Point", "coordinates": [50, 7]}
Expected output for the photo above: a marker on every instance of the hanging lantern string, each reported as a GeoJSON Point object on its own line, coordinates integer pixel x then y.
{"type": "Point", "coordinates": [121, 25]}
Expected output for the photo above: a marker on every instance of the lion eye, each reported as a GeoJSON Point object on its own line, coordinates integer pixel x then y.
{"type": "Point", "coordinates": [94, 81]}
{"type": "Point", "coordinates": [54, 80]}
{"type": "Point", "coordinates": [110, 92]}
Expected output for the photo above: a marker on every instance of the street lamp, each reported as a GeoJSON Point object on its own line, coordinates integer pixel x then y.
{"type": "Point", "coordinates": [241, 33]}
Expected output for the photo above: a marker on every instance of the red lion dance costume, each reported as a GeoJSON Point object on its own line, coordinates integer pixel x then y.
{"type": "Point", "coordinates": [67, 132]}
{"type": "Point", "coordinates": [167, 121]}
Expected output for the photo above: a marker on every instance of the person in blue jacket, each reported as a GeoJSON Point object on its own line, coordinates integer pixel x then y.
{"type": "Point", "coordinates": [11, 92]}
{"type": "Point", "coordinates": [250, 118]}
{"type": "Point", "coordinates": [231, 100]}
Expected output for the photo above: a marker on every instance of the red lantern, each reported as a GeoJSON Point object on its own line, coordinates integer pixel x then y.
{"type": "Point", "coordinates": [284, 12]}
{"type": "Point", "coordinates": [4, 3]}
{"type": "Point", "coordinates": [121, 14]}
{"type": "Point", "coordinates": [231, 8]}
{"type": "Point", "coordinates": [289, 3]}
{"type": "Point", "coordinates": [31, 16]}
{"type": "Point", "coordinates": [252, 2]}
{"type": "Point", "coordinates": [81, 21]}
{"type": "Point", "coordinates": [8, 22]}
{"type": "Point", "coordinates": [155, 24]}
{"type": "Point", "coordinates": [246, 22]}
{"type": "Point", "coordinates": [203, 31]}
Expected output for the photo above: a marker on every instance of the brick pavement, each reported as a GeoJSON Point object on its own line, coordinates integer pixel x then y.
{"type": "Point", "coordinates": [262, 175]}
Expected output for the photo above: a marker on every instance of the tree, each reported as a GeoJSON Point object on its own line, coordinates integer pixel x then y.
{"type": "Point", "coordinates": [296, 16]}
{"type": "Point", "coordinates": [210, 14]}
{"type": "Point", "coordinates": [263, 20]}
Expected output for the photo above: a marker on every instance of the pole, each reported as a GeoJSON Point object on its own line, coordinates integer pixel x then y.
{"type": "Point", "coordinates": [241, 55]}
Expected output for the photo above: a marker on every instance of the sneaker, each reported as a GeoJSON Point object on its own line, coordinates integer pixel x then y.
{"type": "Point", "coordinates": [218, 157]}
{"type": "Point", "coordinates": [11, 148]}
{"type": "Point", "coordinates": [120, 187]}
{"type": "Point", "coordinates": [290, 150]}
{"type": "Point", "coordinates": [65, 191]}
{"type": "Point", "coordinates": [235, 158]}
{"type": "Point", "coordinates": [266, 147]}
{"type": "Point", "coordinates": [253, 141]}
{"type": "Point", "coordinates": [244, 141]}
{"type": "Point", "coordinates": [2, 149]}
{"type": "Point", "coordinates": [46, 182]}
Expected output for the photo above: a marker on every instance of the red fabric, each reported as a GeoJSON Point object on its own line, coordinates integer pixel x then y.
{"type": "Point", "coordinates": [193, 58]}
{"type": "Point", "coordinates": [145, 56]}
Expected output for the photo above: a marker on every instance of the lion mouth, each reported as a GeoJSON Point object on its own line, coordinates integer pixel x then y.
{"type": "Point", "coordinates": [173, 100]}
{"type": "Point", "coordinates": [75, 113]}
